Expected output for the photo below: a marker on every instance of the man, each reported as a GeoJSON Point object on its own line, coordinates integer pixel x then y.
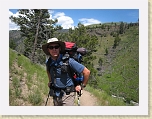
{"type": "Point", "coordinates": [64, 89]}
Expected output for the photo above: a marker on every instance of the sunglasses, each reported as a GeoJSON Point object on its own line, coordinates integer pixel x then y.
{"type": "Point", "coordinates": [51, 47]}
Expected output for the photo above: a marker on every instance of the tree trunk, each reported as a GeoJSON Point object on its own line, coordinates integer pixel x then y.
{"type": "Point", "coordinates": [35, 41]}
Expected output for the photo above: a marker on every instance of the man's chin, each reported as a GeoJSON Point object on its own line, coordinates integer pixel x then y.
{"type": "Point", "coordinates": [55, 55]}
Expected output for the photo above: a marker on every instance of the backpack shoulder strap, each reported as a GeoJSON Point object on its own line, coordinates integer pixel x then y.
{"type": "Point", "coordinates": [71, 72]}
{"type": "Point", "coordinates": [65, 60]}
{"type": "Point", "coordinates": [48, 64]}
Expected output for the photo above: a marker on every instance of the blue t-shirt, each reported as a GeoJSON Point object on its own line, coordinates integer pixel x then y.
{"type": "Point", "coordinates": [61, 79]}
{"type": "Point", "coordinates": [77, 67]}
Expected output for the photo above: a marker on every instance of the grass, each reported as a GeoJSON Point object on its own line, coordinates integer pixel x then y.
{"type": "Point", "coordinates": [23, 73]}
{"type": "Point", "coordinates": [121, 78]}
{"type": "Point", "coordinates": [35, 97]}
{"type": "Point", "coordinates": [36, 80]}
{"type": "Point", "coordinates": [105, 99]}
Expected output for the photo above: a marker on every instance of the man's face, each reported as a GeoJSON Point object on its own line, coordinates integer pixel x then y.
{"type": "Point", "coordinates": [54, 49]}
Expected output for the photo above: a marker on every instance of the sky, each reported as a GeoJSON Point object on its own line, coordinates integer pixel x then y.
{"type": "Point", "coordinates": [69, 18]}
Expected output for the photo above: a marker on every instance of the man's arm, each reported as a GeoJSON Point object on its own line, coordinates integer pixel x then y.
{"type": "Point", "coordinates": [77, 67]}
{"type": "Point", "coordinates": [86, 74]}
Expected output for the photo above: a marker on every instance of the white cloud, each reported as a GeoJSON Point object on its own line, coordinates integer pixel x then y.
{"type": "Point", "coordinates": [50, 12]}
{"type": "Point", "coordinates": [63, 20]}
{"type": "Point", "coordinates": [12, 25]}
{"type": "Point", "coordinates": [86, 21]}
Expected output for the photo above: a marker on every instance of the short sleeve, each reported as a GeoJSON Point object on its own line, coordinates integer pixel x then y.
{"type": "Point", "coordinates": [76, 66]}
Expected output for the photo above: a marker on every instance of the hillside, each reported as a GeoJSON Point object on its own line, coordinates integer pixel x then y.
{"type": "Point", "coordinates": [27, 81]}
{"type": "Point", "coordinates": [28, 86]}
{"type": "Point", "coordinates": [120, 68]}
{"type": "Point", "coordinates": [118, 74]}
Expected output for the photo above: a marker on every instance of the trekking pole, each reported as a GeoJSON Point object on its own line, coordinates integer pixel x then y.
{"type": "Point", "coordinates": [78, 102]}
{"type": "Point", "coordinates": [47, 98]}
{"type": "Point", "coordinates": [78, 95]}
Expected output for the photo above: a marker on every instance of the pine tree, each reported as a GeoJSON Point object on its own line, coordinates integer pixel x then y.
{"type": "Point", "coordinates": [121, 30]}
{"type": "Point", "coordinates": [36, 26]}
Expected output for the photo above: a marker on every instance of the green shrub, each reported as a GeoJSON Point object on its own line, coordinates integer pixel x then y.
{"type": "Point", "coordinates": [35, 97]}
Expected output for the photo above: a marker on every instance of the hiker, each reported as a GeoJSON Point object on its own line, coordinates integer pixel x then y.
{"type": "Point", "coordinates": [63, 85]}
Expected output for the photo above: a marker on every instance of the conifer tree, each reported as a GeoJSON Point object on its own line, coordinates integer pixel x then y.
{"type": "Point", "coordinates": [121, 30]}
{"type": "Point", "coordinates": [36, 26]}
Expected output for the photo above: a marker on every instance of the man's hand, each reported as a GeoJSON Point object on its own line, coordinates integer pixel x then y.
{"type": "Point", "coordinates": [50, 84]}
{"type": "Point", "coordinates": [78, 88]}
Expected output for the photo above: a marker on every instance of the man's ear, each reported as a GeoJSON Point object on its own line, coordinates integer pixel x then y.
{"type": "Point", "coordinates": [60, 50]}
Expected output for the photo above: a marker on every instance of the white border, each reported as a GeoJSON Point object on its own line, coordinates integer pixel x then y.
{"type": "Point", "coordinates": [142, 109]}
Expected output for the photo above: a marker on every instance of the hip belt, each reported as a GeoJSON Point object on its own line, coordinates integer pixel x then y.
{"type": "Point", "coordinates": [67, 90]}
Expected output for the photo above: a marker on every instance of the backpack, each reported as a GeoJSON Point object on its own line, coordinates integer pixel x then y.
{"type": "Point", "coordinates": [71, 51]}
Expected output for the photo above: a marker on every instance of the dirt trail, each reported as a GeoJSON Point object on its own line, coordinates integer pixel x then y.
{"type": "Point", "coordinates": [86, 99]}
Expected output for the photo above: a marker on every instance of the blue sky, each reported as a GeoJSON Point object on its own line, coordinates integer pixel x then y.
{"type": "Point", "coordinates": [68, 18]}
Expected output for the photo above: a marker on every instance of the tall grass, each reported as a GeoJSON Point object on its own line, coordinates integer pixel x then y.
{"type": "Point", "coordinates": [24, 74]}
{"type": "Point", "coordinates": [35, 97]}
